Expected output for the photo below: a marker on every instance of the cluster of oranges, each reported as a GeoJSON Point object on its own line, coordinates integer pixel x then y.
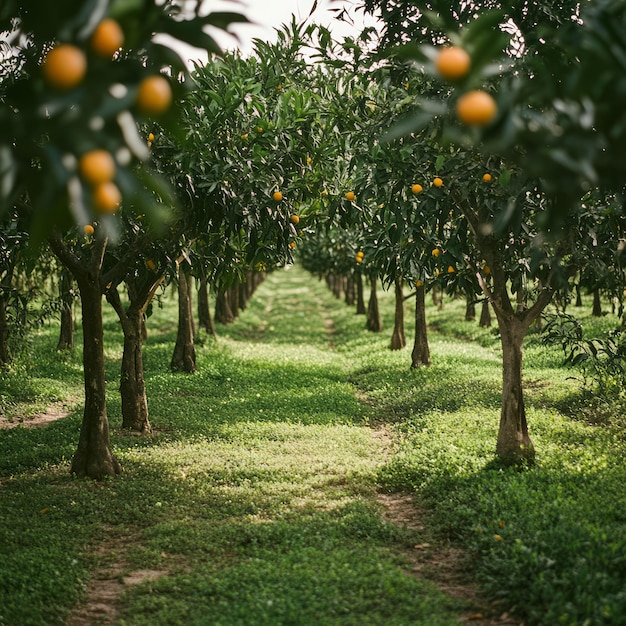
{"type": "Point", "coordinates": [360, 255]}
{"type": "Point", "coordinates": [475, 107]}
{"type": "Point", "coordinates": [64, 68]}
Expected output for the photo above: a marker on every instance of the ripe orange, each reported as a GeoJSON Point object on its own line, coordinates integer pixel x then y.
{"type": "Point", "coordinates": [89, 229]}
{"type": "Point", "coordinates": [151, 265]}
{"type": "Point", "coordinates": [107, 38]}
{"type": "Point", "coordinates": [154, 95]}
{"type": "Point", "coordinates": [292, 244]}
{"type": "Point", "coordinates": [453, 63]}
{"type": "Point", "coordinates": [360, 253]}
{"type": "Point", "coordinates": [107, 197]}
{"type": "Point", "coordinates": [350, 196]}
{"type": "Point", "coordinates": [436, 252]}
{"type": "Point", "coordinates": [486, 178]}
{"type": "Point", "coordinates": [277, 196]}
{"type": "Point", "coordinates": [416, 188]}
{"type": "Point", "coordinates": [97, 166]}
{"type": "Point", "coordinates": [358, 259]}
{"type": "Point", "coordinates": [451, 269]}
{"type": "Point", "coordinates": [476, 108]}
{"type": "Point", "coordinates": [486, 270]}
{"type": "Point", "coordinates": [64, 67]}
{"type": "Point", "coordinates": [419, 283]}
{"type": "Point", "coordinates": [150, 136]}
{"type": "Point", "coordinates": [295, 220]}
{"type": "Point", "coordinates": [437, 182]}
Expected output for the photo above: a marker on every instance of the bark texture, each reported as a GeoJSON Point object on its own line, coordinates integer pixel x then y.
{"type": "Point", "coordinates": [223, 314]}
{"type": "Point", "coordinates": [184, 356]}
{"type": "Point", "coordinates": [374, 320]}
{"type": "Point", "coordinates": [361, 309]}
{"type": "Point", "coordinates": [485, 315]}
{"type": "Point", "coordinates": [596, 311]}
{"type": "Point", "coordinates": [420, 356]}
{"type": "Point", "coordinates": [470, 309]}
{"type": "Point", "coordinates": [398, 337]}
{"type": "Point", "coordinates": [205, 320]}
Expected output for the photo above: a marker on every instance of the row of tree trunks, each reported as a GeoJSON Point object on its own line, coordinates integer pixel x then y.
{"type": "Point", "coordinates": [374, 321]}
{"type": "Point", "coordinates": [398, 338]}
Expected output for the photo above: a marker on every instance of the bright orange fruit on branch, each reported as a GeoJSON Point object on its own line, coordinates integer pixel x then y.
{"type": "Point", "coordinates": [89, 229]}
{"type": "Point", "coordinates": [64, 67]}
{"type": "Point", "coordinates": [436, 252]}
{"type": "Point", "coordinates": [97, 166]}
{"type": "Point", "coordinates": [107, 38]}
{"type": "Point", "coordinates": [476, 108]}
{"type": "Point", "coordinates": [487, 178]}
{"type": "Point", "coordinates": [416, 188]}
{"type": "Point", "coordinates": [438, 182]}
{"type": "Point", "coordinates": [453, 63]}
{"type": "Point", "coordinates": [350, 196]}
{"type": "Point", "coordinates": [107, 197]}
{"type": "Point", "coordinates": [154, 95]}
{"type": "Point", "coordinates": [295, 220]}
{"type": "Point", "coordinates": [451, 269]}
{"type": "Point", "coordinates": [277, 196]}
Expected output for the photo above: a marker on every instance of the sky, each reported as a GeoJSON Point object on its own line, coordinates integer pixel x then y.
{"type": "Point", "coordinates": [267, 15]}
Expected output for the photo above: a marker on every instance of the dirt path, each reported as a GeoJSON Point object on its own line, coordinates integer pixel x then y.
{"type": "Point", "coordinates": [54, 412]}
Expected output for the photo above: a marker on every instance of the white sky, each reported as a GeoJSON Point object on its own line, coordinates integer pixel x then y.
{"type": "Point", "coordinates": [267, 15]}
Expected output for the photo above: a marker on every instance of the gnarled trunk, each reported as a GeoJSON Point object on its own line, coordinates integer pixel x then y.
{"type": "Point", "coordinates": [374, 321]}
{"type": "Point", "coordinates": [184, 357]}
{"type": "Point", "coordinates": [66, 332]}
{"type": "Point", "coordinates": [398, 338]}
{"type": "Point", "coordinates": [93, 456]}
{"type": "Point", "coordinates": [421, 351]}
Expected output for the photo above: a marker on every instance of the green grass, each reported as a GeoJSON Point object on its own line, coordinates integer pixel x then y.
{"type": "Point", "coordinates": [256, 496]}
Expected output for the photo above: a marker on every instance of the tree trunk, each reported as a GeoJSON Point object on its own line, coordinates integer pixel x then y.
{"type": "Point", "coordinates": [597, 304]}
{"type": "Point", "coordinates": [579, 298]}
{"type": "Point", "coordinates": [470, 309]}
{"type": "Point", "coordinates": [360, 297]}
{"type": "Point", "coordinates": [132, 381]}
{"type": "Point", "coordinates": [374, 321]}
{"type": "Point", "coordinates": [184, 357]}
{"type": "Point", "coordinates": [93, 456]}
{"type": "Point", "coordinates": [205, 321]}
{"type": "Point", "coordinates": [349, 294]}
{"type": "Point", "coordinates": [233, 300]}
{"type": "Point", "coordinates": [338, 286]}
{"type": "Point", "coordinates": [514, 443]}
{"type": "Point", "coordinates": [223, 314]}
{"type": "Point", "coordinates": [485, 315]}
{"type": "Point", "coordinates": [243, 296]}
{"type": "Point", "coordinates": [66, 333]}
{"type": "Point", "coordinates": [421, 351]}
{"type": "Point", "coordinates": [398, 338]}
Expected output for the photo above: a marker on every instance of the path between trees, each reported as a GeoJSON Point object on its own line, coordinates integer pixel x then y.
{"type": "Point", "coordinates": [445, 565]}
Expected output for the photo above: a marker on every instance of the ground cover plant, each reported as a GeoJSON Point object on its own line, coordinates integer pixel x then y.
{"type": "Point", "coordinates": [255, 500]}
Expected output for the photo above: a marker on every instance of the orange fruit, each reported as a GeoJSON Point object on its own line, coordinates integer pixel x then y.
{"type": "Point", "coordinates": [89, 229]}
{"type": "Point", "coordinates": [64, 67]}
{"type": "Point", "coordinates": [97, 166]}
{"type": "Point", "coordinates": [358, 259]}
{"type": "Point", "coordinates": [486, 270]}
{"type": "Point", "coordinates": [360, 253]}
{"type": "Point", "coordinates": [107, 197]}
{"type": "Point", "coordinates": [150, 136]}
{"type": "Point", "coordinates": [151, 265]}
{"type": "Point", "coordinates": [486, 178]}
{"type": "Point", "coordinates": [277, 196]}
{"type": "Point", "coordinates": [295, 220]}
{"type": "Point", "coordinates": [419, 283]}
{"type": "Point", "coordinates": [350, 197]}
{"type": "Point", "coordinates": [154, 95]}
{"type": "Point", "coordinates": [292, 244]}
{"type": "Point", "coordinates": [436, 252]}
{"type": "Point", "coordinates": [416, 188]}
{"type": "Point", "coordinates": [244, 136]}
{"type": "Point", "coordinates": [451, 269]}
{"type": "Point", "coordinates": [476, 108]}
{"type": "Point", "coordinates": [107, 38]}
{"type": "Point", "coordinates": [453, 63]}
{"type": "Point", "coordinates": [437, 182]}
{"type": "Point", "coordinates": [259, 129]}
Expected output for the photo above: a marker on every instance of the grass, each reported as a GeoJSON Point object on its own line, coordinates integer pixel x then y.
{"type": "Point", "coordinates": [256, 497]}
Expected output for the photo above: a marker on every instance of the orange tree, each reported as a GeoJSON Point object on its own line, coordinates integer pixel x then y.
{"type": "Point", "coordinates": [76, 80]}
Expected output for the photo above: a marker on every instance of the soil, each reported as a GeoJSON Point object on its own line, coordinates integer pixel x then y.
{"type": "Point", "coordinates": [54, 412]}
{"type": "Point", "coordinates": [445, 565]}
